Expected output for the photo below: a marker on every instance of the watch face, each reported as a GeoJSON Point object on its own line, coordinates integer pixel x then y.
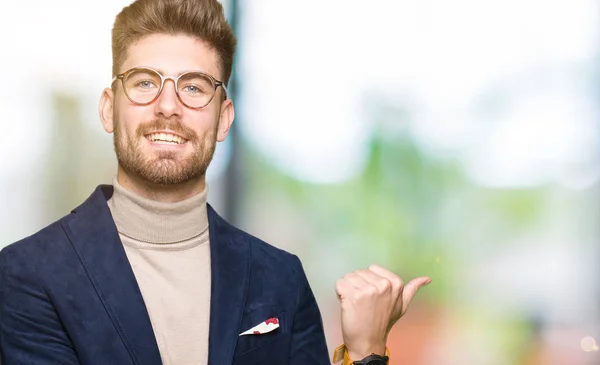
{"type": "Point", "coordinates": [376, 362]}
{"type": "Point", "coordinates": [373, 360]}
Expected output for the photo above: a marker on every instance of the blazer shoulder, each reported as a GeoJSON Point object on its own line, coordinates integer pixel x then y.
{"type": "Point", "coordinates": [52, 239]}
{"type": "Point", "coordinates": [44, 242]}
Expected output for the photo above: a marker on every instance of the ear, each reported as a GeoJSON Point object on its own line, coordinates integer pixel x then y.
{"type": "Point", "coordinates": [225, 119]}
{"type": "Point", "coordinates": [105, 109]}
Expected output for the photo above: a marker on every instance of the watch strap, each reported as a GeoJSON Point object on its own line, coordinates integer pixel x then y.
{"type": "Point", "coordinates": [341, 353]}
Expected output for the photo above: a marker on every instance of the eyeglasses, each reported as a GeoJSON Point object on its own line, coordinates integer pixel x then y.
{"type": "Point", "coordinates": [194, 89]}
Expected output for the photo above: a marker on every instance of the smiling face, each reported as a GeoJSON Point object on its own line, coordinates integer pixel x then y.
{"type": "Point", "coordinates": [166, 143]}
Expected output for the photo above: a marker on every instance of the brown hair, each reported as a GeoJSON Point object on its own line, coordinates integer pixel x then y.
{"type": "Point", "coordinates": [201, 19]}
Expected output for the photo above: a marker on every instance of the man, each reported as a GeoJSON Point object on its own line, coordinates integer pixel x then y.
{"type": "Point", "coordinates": [145, 271]}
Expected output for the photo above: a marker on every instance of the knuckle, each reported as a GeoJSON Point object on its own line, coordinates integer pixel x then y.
{"type": "Point", "coordinates": [385, 285]}
{"type": "Point", "coordinates": [397, 282]}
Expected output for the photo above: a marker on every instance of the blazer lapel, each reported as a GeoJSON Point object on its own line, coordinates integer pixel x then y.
{"type": "Point", "coordinates": [230, 271]}
{"type": "Point", "coordinates": [95, 239]}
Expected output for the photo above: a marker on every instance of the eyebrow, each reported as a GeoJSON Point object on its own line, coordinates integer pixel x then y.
{"type": "Point", "coordinates": [178, 74]}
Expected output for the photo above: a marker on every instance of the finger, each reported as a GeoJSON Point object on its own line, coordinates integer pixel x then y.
{"type": "Point", "coordinates": [357, 281]}
{"type": "Point", "coordinates": [396, 280]}
{"type": "Point", "coordinates": [381, 283]}
{"type": "Point", "coordinates": [343, 289]}
{"type": "Point", "coordinates": [411, 289]}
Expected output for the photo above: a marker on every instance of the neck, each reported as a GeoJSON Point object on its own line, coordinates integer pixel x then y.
{"type": "Point", "coordinates": [160, 193]}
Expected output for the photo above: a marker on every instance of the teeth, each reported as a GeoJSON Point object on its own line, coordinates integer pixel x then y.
{"type": "Point", "coordinates": [166, 137]}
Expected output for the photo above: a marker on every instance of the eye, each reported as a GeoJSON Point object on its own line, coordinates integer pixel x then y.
{"type": "Point", "coordinates": [145, 84]}
{"type": "Point", "coordinates": [192, 89]}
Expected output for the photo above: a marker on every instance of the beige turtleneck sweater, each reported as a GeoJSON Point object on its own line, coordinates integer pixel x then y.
{"type": "Point", "coordinates": [168, 247]}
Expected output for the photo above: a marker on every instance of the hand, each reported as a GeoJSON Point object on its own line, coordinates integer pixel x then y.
{"type": "Point", "coordinates": [372, 301]}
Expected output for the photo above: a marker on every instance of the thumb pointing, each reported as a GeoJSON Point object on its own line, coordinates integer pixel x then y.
{"type": "Point", "coordinates": [411, 289]}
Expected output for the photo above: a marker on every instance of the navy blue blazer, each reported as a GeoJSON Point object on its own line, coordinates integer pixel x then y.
{"type": "Point", "coordinates": [68, 296]}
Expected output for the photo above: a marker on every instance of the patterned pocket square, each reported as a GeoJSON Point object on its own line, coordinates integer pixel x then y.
{"type": "Point", "coordinates": [267, 326]}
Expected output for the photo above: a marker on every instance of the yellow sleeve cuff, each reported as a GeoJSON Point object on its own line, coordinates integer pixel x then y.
{"type": "Point", "coordinates": [341, 353]}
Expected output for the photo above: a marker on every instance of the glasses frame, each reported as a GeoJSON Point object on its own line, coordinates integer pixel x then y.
{"type": "Point", "coordinates": [175, 79]}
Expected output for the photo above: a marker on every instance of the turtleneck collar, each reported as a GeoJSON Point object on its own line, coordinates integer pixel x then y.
{"type": "Point", "coordinates": [155, 222]}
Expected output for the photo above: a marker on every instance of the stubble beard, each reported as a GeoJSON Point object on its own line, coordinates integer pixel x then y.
{"type": "Point", "coordinates": [165, 168]}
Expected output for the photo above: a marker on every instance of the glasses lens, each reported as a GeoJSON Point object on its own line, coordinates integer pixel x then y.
{"type": "Point", "coordinates": [142, 85]}
{"type": "Point", "coordinates": [196, 89]}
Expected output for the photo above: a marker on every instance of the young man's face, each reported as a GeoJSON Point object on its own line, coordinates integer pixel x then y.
{"type": "Point", "coordinates": [185, 145]}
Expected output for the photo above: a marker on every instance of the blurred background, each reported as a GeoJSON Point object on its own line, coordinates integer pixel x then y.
{"type": "Point", "coordinates": [455, 139]}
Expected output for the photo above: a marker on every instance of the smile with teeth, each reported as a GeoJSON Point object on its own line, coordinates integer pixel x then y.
{"type": "Point", "coordinates": [166, 138]}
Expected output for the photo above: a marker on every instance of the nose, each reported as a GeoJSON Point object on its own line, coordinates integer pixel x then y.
{"type": "Point", "coordinates": [168, 103]}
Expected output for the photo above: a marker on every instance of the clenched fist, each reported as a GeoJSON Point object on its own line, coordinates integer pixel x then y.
{"type": "Point", "coordinates": [372, 301]}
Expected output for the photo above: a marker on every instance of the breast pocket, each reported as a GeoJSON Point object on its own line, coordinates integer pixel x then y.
{"type": "Point", "coordinates": [270, 340]}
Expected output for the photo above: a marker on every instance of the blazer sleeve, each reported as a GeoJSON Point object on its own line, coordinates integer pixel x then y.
{"type": "Point", "coordinates": [30, 329]}
{"type": "Point", "coordinates": [308, 337]}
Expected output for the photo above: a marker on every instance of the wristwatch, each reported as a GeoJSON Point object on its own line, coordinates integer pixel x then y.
{"type": "Point", "coordinates": [341, 353]}
{"type": "Point", "coordinates": [373, 360]}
